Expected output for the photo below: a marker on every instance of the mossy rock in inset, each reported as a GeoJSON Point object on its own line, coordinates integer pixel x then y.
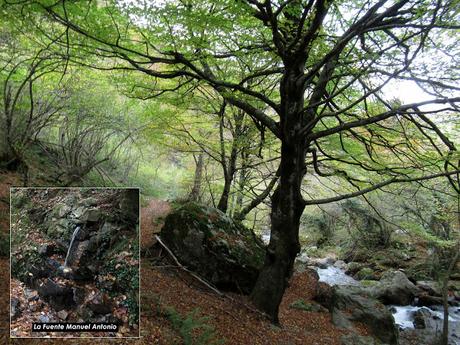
{"type": "Point", "coordinates": [215, 246]}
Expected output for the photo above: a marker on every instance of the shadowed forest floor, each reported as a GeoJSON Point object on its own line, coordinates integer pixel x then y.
{"type": "Point", "coordinates": [163, 287]}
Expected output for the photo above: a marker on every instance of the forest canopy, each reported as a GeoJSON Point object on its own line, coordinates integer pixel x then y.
{"type": "Point", "coordinates": [289, 100]}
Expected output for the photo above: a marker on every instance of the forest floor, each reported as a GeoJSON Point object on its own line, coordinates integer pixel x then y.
{"type": "Point", "coordinates": [165, 288]}
{"type": "Point", "coordinates": [152, 220]}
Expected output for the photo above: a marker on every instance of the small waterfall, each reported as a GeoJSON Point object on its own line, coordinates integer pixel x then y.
{"type": "Point", "coordinates": [75, 233]}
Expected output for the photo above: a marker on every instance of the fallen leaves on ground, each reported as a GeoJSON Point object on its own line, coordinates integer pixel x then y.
{"type": "Point", "coordinates": [232, 318]}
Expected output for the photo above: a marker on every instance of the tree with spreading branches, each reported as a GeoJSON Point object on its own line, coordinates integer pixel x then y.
{"type": "Point", "coordinates": [313, 73]}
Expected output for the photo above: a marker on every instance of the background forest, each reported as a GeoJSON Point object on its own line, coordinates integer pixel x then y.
{"type": "Point", "coordinates": [332, 126]}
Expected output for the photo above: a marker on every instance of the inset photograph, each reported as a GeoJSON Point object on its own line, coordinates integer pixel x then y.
{"type": "Point", "coordinates": [74, 262]}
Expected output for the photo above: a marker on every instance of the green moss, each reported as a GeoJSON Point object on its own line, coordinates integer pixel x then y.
{"type": "Point", "coordinates": [193, 329]}
{"type": "Point", "coordinates": [368, 283]}
{"type": "Point", "coordinates": [365, 273]}
{"type": "Point", "coordinates": [302, 305]}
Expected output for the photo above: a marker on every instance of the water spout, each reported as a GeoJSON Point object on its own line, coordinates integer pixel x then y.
{"type": "Point", "coordinates": [75, 233]}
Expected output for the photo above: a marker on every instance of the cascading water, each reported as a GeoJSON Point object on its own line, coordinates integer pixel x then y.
{"type": "Point", "coordinates": [75, 233]}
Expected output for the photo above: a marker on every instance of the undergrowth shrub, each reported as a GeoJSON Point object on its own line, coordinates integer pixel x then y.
{"type": "Point", "coordinates": [366, 228]}
{"type": "Point", "coordinates": [192, 328]}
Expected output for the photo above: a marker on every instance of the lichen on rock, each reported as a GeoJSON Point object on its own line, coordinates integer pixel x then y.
{"type": "Point", "coordinates": [215, 246]}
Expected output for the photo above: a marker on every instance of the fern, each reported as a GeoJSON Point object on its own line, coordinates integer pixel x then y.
{"type": "Point", "coordinates": [193, 329]}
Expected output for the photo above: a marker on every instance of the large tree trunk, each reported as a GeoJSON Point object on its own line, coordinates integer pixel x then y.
{"type": "Point", "coordinates": [287, 201]}
{"type": "Point", "coordinates": [287, 207]}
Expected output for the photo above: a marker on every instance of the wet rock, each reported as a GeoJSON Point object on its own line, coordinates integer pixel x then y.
{"type": "Point", "coordinates": [419, 319]}
{"type": "Point", "coordinates": [394, 288]}
{"type": "Point", "coordinates": [15, 308]}
{"type": "Point", "coordinates": [44, 319]}
{"type": "Point", "coordinates": [62, 314]}
{"type": "Point", "coordinates": [322, 262]}
{"type": "Point", "coordinates": [430, 287]}
{"type": "Point", "coordinates": [58, 296]}
{"type": "Point", "coordinates": [341, 265]}
{"type": "Point", "coordinates": [47, 250]}
{"type": "Point", "coordinates": [349, 303]}
{"type": "Point", "coordinates": [210, 243]}
{"type": "Point", "coordinates": [91, 201]}
{"type": "Point", "coordinates": [100, 304]}
{"type": "Point", "coordinates": [91, 215]}
{"type": "Point", "coordinates": [425, 300]}
{"type": "Point", "coordinates": [78, 295]}
{"type": "Point", "coordinates": [129, 205]}
{"type": "Point", "coordinates": [30, 295]}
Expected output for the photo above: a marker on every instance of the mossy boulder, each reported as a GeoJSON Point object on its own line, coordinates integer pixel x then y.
{"type": "Point", "coordinates": [213, 245]}
{"type": "Point", "coordinates": [351, 303]}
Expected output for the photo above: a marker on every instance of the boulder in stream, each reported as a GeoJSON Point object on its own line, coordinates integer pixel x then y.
{"type": "Point", "coordinates": [394, 288]}
{"type": "Point", "coordinates": [349, 303]}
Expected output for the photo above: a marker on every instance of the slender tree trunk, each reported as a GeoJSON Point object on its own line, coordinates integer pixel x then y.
{"type": "Point", "coordinates": [445, 296]}
{"type": "Point", "coordinates": [228, 167]}
{"type": "Point", "coordinates": [223, 201]}
{"type": "Point", "coordinates": [243, 211]}
{"type": "Point", "coordinates": [287, 201]}
{"type": "Point", "coordinates": [241, 183]}
{"type": "Point", "coordinates": [195, 194]}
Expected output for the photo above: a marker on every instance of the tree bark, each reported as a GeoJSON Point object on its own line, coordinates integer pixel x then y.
{"type": "Point", "coordinates": [287, 201]}
{"type": "Point", "coordinates": [223, 201]}
{"type": "Point", "coordinates": [195, 194]}
{"type": "Point", "coordinates": [243, 211]}
{"type": "Point", "coordinates": [229, 168]}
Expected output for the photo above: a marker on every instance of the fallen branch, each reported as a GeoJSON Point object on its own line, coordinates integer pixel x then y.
{"type": "Point", "coordinates": [185, 268]}
{"type": "Point", "coordinates": [201, 280]}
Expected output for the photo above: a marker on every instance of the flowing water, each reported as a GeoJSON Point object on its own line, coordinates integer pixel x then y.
{"type": "Point", "coordinates": [335, 276]}
{"type": "Point", "coordinates": [403, 315]}
{"type": "Point", "coordinates": [75, 233]}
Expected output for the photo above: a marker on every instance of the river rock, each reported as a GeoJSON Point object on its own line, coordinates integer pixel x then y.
{"type": "Point", "coordinates": [58, 296]}
{"type": "Point", "coordinates": [424, 300]}
{"type": "Point", "coordinates": [429, 286]}
{"type": "Point", "coordinates": [341, 265]}
{"type": "Point", "coordinates": [100, 304]}
{"type": "Point", "coordinates": [394, 288]}
{"type": "Point", "coordinates": [15, 308]}
{"type": "Point", "coordinates": [62, 314]}
{"type": "Point", "coordinates": [91, 215]}
{"type": "Point", "coordinates": [349, 303]}
{"type": "Point", "coordinates": [354, 267]}
{"type": "Point", "coordinates": [210, 243]}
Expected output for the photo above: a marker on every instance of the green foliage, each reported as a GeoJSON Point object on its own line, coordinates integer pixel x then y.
{"type": "Point", "coordinates": [192, 328]}
{"type": "Point", "coordinates": [127, 281]}
{"type": "Point", "coordinates": [22, 263]}
{"type": "Point", "coordinates": [323, 225]}
{"type": "Point", "coordinates": [367, 229]}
